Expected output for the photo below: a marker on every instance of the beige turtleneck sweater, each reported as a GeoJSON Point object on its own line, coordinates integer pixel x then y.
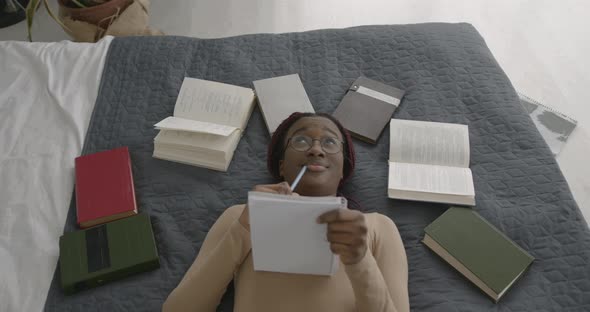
{"type": "Point", "coordinates": [379, 282]}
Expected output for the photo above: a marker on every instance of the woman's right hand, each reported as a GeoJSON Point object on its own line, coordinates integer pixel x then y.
{"type": "Point", "coordinates": [279, 188]}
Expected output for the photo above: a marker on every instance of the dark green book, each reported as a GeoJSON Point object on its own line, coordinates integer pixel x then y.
{"type": "Point", "coordinates": [478, 250]}
{"type": "Point", "coordinates": [108, 252]}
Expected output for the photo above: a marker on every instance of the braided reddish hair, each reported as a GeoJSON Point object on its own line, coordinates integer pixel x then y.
{"type": "Point", "coordinates": [276, 148]}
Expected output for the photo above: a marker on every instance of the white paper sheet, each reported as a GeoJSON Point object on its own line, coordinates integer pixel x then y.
{"type": "Point", "coordinates": [432, 179]}
{"type": "Point", "coordinates": [285, 235]}
{"type": "Point", "coordinates": [214, 102]}
{"type": "Point", "coordinates": [431, 143]}
{"type": "Point", "coordinates": [181, 124]}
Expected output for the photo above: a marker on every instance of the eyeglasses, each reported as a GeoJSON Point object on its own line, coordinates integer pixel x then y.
{"type": "Point", "coordinates": [303, 143]}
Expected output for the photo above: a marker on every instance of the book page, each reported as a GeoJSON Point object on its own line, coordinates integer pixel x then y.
{"type": "Point", "coordinates": [432, 179]}
{"type": "Point", "coordinates": [214, 102]}
{"type": "Point", "coordinates": [208, 161]}
{"type": "Point", "coordinates": [181, 124]}
{"type": "Point", "coordinates": [197, 141]}
{"type": "Point", "coordinates": [200, 150]}
{"type": "Point", "coordinates": [285, 235]}
{"type": "Point", "coordinates": [432, 143]}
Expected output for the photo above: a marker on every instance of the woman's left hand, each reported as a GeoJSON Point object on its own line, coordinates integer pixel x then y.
{"type": "Point", "coordinates": [347, 234]}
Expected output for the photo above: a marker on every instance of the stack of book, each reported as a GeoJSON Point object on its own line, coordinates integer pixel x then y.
{"type": "Point", "coordinates": [209, 120]}
{"type": "Point", "coordinates": [116, 240]}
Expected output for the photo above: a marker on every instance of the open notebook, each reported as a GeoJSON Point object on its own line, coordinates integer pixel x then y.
{"type": "Point", "coordinates": [554, 126]}
{"type": "Point", "coordinates": [429, 161]}
{"type": "Point", "coordinates": [285, 236]}
{"type": "Point", "coordinates": [208, 122]}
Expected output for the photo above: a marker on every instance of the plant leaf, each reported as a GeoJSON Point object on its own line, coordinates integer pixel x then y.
{"type": "Point", "coordinates": [55, 18]}
{"type": "Point", "coordinates": [78, 3]}
{"type": "Point", "coordinates": [30, 13]}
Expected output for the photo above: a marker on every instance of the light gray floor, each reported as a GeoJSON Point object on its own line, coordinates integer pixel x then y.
{"type": "Point", "coordinates": [543, 46]}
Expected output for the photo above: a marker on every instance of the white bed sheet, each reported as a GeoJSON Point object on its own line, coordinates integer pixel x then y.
{"type": "Point", "coordinates": [47, 94]}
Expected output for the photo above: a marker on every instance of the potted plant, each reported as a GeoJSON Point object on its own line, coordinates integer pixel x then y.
{"type": "Point", "coordinates": [12, 12]}
{"type": "Point", "coordinates": [97, 12]}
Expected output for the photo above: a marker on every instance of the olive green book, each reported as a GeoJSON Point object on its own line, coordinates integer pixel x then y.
{"type": "Point", "coordinates": [477, 250]}
{"type": "Point", "coordinates": [101, 254]}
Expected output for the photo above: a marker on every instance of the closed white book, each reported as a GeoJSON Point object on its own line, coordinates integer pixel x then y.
{"type": "Point", "coordinates": [279, 97]}
{"type": "Point", "coordinates": [286, 237]}
{"type": "Point", "coordinates": [208, 122]}
{"type": "Point", "coordinates": [429, 161]}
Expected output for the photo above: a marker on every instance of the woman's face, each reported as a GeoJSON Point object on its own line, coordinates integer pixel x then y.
{"type": "Point", "coordinates": [324, 169]}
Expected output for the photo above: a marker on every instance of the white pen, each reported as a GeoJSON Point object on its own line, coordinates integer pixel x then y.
{"type": "Point", "coordinates": [298, 178]}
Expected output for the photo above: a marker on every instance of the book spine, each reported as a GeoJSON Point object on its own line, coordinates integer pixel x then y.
{"type": "Point", "coordinates": [361, 137]}
{"type": "Point", "coordinates": [105, 278]}
{"type": "Point", "coordinates": [131, 183]}
{"type": "Point", "coordinates": [76, 191]}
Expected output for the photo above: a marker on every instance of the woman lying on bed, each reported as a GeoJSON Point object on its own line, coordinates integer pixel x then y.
{"type": "Point", "coordinates": [374, 276]}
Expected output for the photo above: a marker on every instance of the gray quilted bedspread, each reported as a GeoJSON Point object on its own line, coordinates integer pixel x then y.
{"type": "Point", "coordinates": [449, 75]}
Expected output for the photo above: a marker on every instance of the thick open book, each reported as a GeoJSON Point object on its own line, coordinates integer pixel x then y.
{"type": "Point", "coordinates": [429, 161]}
{"type": "Point", "coordinates": [286, 237]}
{"type": "Point", "coordinates": [208, 122]}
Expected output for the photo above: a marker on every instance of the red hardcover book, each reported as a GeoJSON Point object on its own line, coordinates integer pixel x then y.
{"type": "Point", "coordinates": [104, 187]}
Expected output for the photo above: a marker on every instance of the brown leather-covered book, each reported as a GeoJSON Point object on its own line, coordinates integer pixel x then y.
{"type": "Point", "coordinates": [367, 107]}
